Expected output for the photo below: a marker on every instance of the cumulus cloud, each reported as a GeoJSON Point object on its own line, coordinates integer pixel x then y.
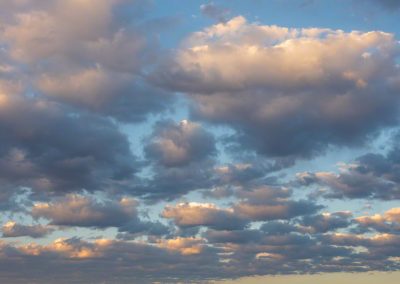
{"type": "Point", "coordinates": [77, 210]}
{"type": "Point", "coordinates": [72, 74]}
{"type": "Point", "coordinates": [177, 145]}
{"type": "Point", "coordinates": [203, 214]}
{"type": "Point", "coordinates": [53, 149]}
{"type": "Point", "coordinates": [271, 203]}
{"type": "Point", "coordinates": [102, 259]}
{"type": "Point", "coordinates": [94, 62]}
{"type": "Point", "coordinates": [389, 222]}
{"type": "Point", "coordinates": [288, 92]}
{"type": "Point", "coordinates": [86, 211]}
{"type": "Point", "coordinates": [327, 222]}
{"type": "Point", "coordinates": [260, 204]}
{"type": "Point", "coordinates": [181, 158]}
{"type": "Point", "coordinates": [372, 175]}
{"type": "Point", "coordinates": [12, 229]}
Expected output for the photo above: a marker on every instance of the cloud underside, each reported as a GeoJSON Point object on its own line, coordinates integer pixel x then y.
{"type": "Point", "coordinates": [211, 196]}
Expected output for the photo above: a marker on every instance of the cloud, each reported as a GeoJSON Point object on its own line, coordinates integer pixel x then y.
{"type": "Point", "coordinates": [12, 229]}
{"type": "Point", "coordinates": [177, 145]}
{"type": "Point", "coordinates": [327, 222]}
{"type": "Point", "coordinates": [54, 149]}
{"type": "Point", "coordinates": [232, 236]}
{"type": "Point", "coordinates": [214, 12]}
{"type": "Point", "coordinates": [260, 204]}
{"type": "Point", "coordinates": [94, 62]}
{"type": "Point", "coordinates": [86, 211]}
{"type": "Point", "coordinates": [389, 222]}
{"type": "Point", "coordinates": [181, 158]}
{"type": "Point", "coordinates": [77, 210]}
{"type": "Point", "coordinates": [372, 175]}
{"type": "Point", "coordinates": [203, 214]}
{"type": "Point", "coordinates": [288, 92]}
{"type": "Point", "coordinates": [271, 203]}
{"type": "Point", "coordinates": [102, 259]}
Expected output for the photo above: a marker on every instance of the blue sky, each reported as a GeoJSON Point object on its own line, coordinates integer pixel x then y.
{"type": "Point", "coordinates": [193, 141]}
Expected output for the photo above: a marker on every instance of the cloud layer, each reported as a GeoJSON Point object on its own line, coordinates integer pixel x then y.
{"type": "Point", "coordinates": [104, 178]}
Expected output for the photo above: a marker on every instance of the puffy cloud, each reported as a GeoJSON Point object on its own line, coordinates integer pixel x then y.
{"type": "Point", "coordinates": [177, 145]}
{"type": "Point", "coordinates": [77, 210]}
{"type": "Point", "coordinates": [326, 222]}
{"type": "Point", "coordinates": [12, 229]}
{"type": "Point", "coordinates": [86, 211]}
{"type": "Point", "coordinates": [203, 214]}
{"type": "Point", "coordinates": [281, 210]}
{"type": "Point", "coordinates": [180, 157]}
{"type": "Point", "coordinates": [271, 203]}
{"type": "Point", "coordinates": [94, 62]}
{"type": "Point", "coordinates": [220, 255]}
{"type": "Point", "coordinates": [185, 246]}
{"type": "Point", "coordinates": [119, 95]}
{"type": "Point", "coordinates": [53, 149]}
{"type": "Point", "coordinates": [109, 260]}
{"type": "Point", "coordinates": [389, 222]}
{"type": "Point", "coordinates": [260, 204]}
{"type": "Point", "coordinates": [288, 92]}
{"type": "Point", "coordinates": [369, 176]}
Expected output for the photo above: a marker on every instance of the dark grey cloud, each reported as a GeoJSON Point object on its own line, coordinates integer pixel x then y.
{"type": "Point", "coordinates": [171, 183]}
{"type": "Point", "coordinates": [53, 149]}
{"type": "Point", "coordinates": [271, 203]}
{"type": "Point", "coordinates": [110, 261]}
{"type": "Point", "coordinates": [372, 175]}
{"type": "Point", "coordinates": [327, 222]}
{"type": "Point", "coordinates": [279, 228]}
{"type": "Point", "coordinates": [233, 236]}
{"type": "Point", "coordinates": [13, 229]}
{"type": "Point", "coordinates": [85, 211]}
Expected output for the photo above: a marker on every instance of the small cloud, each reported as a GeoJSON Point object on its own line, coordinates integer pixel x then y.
{"type": "Point", "coordinates": [215, 12]}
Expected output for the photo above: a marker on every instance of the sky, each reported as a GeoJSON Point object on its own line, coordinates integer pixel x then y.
{"type": "Point", "coordinates": [146, 141]}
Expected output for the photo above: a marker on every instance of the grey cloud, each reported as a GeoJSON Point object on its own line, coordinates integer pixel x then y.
{"type": "Point", "coordinates": [86, 211]}
{"type": "Point", "coordinates": [74, 260]}
{"type": "Point", "coordinates": [203, 214]}
{"type": "Point", "coordinates": [53, 149]}
{"type": "Point", "coordinates": [214, 12]}
{"type": "Point", "coordinates": [171, 183]}
{"type": "Point", "coordinates": [271, 203]}
{"type": "Point", "coordinates": [13, 229]}
{"type": "Point", "coordinates": [327, 222]}
{"type": "Point", "coordinates": [371, 175]}
{"type": "Point", "coordinates": [250, 77]}
{"type": "Point", "coordinates": [95, 62]}
{"type": "Point", "coordinates": [181, 158]}
{"type": "Point", "coordinates": [177, 145]}
{"type": "Point", "coordinates": [233, 236]}
{"type": "Point", "coordinates": [278, 228]}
